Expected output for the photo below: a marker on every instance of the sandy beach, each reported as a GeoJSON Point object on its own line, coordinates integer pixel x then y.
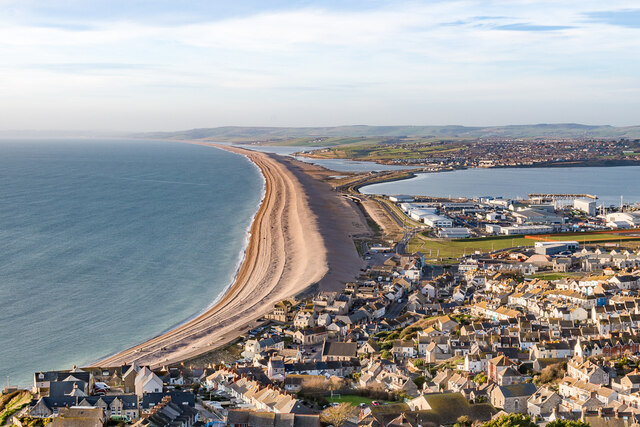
{"type": "Point", "coordinates": [286, 254]}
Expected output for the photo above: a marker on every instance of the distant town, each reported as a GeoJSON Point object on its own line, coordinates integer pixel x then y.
{"type": "Point", "coordinates": [441, 154]}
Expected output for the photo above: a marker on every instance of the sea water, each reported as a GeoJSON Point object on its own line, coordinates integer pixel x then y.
{"type": "Point", "coordinates": [107, 243]}
{"type": "Point", "coordinates": [608, 183]}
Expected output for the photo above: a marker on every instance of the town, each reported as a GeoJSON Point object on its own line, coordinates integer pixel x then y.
{"type": "Point", "coordinates": [445, 154]}
{"type": "Point", "coordinates": [539, 317]}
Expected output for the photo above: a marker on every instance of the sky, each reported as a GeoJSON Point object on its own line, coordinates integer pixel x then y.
{"type": "Point", "coordinates": [159, 65]}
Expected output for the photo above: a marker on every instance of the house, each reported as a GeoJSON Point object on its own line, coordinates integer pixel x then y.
{"type": "Point", "coordinates": [168, 414]}
{"type": "Point", "coordinates": [89, 417]}
{"type": "Point", "coordinates": [435, 354]}
{"type": "Point", "coordinates": [497, 365]}
{"type": "Point", "coordinates": [147, 382]}
{"type": "Point", "coordinates": [551, 350]}
{"type": "Point", "coordinates": [446, 324]}
{"type": "Point", "coordinates": [339, 351]}
{"type": "Point", "coordinates": [543, 402]}
{"type": "Point", "coordinates": [275, 369]}
{"type": "Point", "coordinates": [587, 371]}
{"type": "Point", "coordinates": [403, 349]}
{"type": "Point", "coordinates": [253, 347]}
{"type": "Point", "coordinates": [280, 312]}
{"type": "Point", "coordinates": [513, 398]}
{"type": "Point", "coordinates": [121, 404]}
{"type": "Point", "coordinates": [304, 319]}
{"type": "Point", "coordinates": [368, 348]}
{"type": "Point", "coordinates": [151, 400]}
{"type": "Point", "coordinates": [631, 382]}
{"type": "Point", "coordinates": [311, 336]}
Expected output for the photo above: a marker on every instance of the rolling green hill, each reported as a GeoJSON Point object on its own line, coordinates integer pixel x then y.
{"type": "Point", "coordinates": [314, 135]}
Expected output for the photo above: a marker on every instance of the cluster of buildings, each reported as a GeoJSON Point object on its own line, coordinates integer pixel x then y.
{"type": "Point", "coordinates": [477, 339]}
{"type": "Point", "coordinates": [130, 393]}
{"type": "Point", "coordinates": [509, 152]}
{"type": "Point", "coordinates": [485, 341]}
{"type": "Point", "coordinates": [488, 216]}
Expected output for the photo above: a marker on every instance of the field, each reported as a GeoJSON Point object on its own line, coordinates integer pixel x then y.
{"type": "Point", "coordinates": [585, 237]}
{"type": "Point", "coordinates": [439, 248]}
{"type": "Point", "coordinates": [386, 150]}
{"type": "Point", "coordinates": [351, 398]}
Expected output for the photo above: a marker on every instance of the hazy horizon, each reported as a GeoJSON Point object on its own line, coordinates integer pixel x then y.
{"type": "Point", "coordinates": [160, 65]}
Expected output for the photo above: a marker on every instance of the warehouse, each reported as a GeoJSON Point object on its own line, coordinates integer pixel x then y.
{"type": "Point", "coordinates": [553, 248]}
{"type": "Point", "coordinates": [537, 216]}
{"type": "Point", "coordinates": [437, 221]}
{"type": "Point", "coordinates": [454, 233]}
{"type": "Point", "coordinates": [526, 229]}
{"type": "Point", "coordinates": [401, 198]}
{"type": "Point", "coordinates": [585, 205]}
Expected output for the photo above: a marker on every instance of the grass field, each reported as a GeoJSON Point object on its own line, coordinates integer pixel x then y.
{"type": "Point", "coordinates": [353, 399]}
{"type": "Point", "coordinates": [438, 248]}
{"type": "Point", "coordinates": [585, 237]}
{"type": "Point", "coordinates": [373, 150]}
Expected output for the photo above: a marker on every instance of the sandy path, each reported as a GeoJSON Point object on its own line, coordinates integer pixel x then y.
{"type": "Point", "coordinates": [286, 254]}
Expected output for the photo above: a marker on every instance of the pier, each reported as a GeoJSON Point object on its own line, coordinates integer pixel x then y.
{"type": "Point", "coordinates": [554, 197]}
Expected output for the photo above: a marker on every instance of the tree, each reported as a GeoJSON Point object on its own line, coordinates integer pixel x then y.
{"type": "Point", "coordinates": [338, 415]}
{"type": "Point", "coordinates": [511, 420]}
{"type": "Point", "coordinates": [335, 383]}
{"type": "Point", "coordinates": [386, 354]}
{"type": "Point", "coordinates": [463, 421]}
{"type": "Point", "coordinates": [419, 381]}
{"type": "Point", "coordinates": [550, 374]}
{"type": "Point", "coordinates": [480, 378]}
{"type": "Point", "coordinates": [418, 363]}
{"type": "Point", "coordinates": [567, 423]}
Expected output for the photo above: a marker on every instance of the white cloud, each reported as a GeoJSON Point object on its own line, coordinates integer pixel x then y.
{"type": "Point", "coordinates": [413, 58]}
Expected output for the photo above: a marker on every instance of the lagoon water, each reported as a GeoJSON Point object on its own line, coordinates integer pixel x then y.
{"type": "Point", "coordinates": [608, 183]}
{"type": "Point", "coordinates": [106, 243]}
{"type": "Point", "coordinates": [338, 165]}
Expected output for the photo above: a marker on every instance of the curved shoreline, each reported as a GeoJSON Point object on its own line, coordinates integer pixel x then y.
{"type": "Point", "coordinates": [285, 254]}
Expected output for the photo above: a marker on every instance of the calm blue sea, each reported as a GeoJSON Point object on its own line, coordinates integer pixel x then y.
{"type": "Point", "coordinates": [608, 183]}
{"type": "Point", "coordinates": [106, 243]}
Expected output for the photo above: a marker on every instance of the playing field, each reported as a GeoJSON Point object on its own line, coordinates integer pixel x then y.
{"type": "Point", "coordinates": [441, 248]}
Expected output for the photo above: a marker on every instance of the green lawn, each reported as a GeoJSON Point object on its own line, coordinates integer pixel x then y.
{"type": "Point", "coordinates": [353, 399]}
{"type": "Point", "coordinates": [439, 248]}
{"type": "Point", "coordinates": [591, 237]}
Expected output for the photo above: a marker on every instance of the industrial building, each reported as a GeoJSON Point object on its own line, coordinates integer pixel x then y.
{"type": "Point", "coordinates": [537, 216]}
{"type": "Point", "coordinates": [526, 229]}
{"type": "Point", "coordinates": [437, 221]}
{"type": "Point", "coordinates": [401, 198]}
{"type": "Point", "coordinates": [624, 219]}
{"type": "Point", "coordinates": [419, 213]}
{"type": "Point", "coordinates": [454, 233]}
{"type": "Point", "coordinates": [553, 248]}
{"type": "Point", "coordinates": [587, 206]}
